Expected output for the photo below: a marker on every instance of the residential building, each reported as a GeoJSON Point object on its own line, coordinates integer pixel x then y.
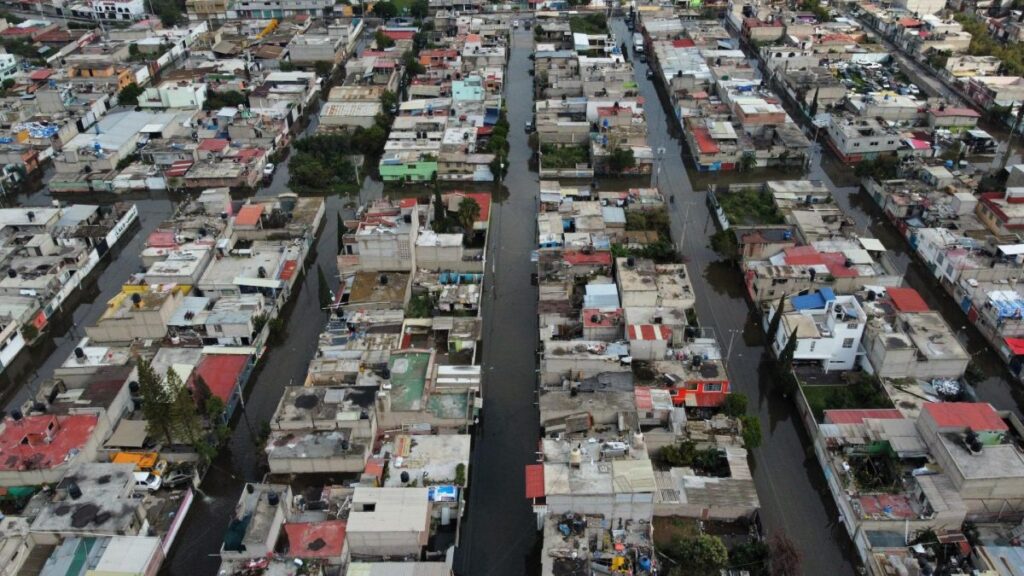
{"type": "Point", "coordinates": [828, 329]}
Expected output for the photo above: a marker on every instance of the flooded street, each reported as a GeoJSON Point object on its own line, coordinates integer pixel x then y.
{"type": "Point", "coordinates": [499, 535]}
{"type": "Point", "coordinates": [790, 483]}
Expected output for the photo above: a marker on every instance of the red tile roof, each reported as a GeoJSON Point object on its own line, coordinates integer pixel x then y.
{"type": "Point", "coordinates": [375, 467]}
{"type": "Point", "coordinates": [858, 416]}
{"type": "Point", "coordinates": [178, 168]}
{"type": "Point", "coordinates": [407, 203]}
{"type": "Point", "coordinates": [910, 22]}
{"type": "Point", "coordinates": [43, 442]}
{"type": "Point", "coordinates": [836, 263]}
{"type": "Point", "coordinates": [221, 372]}
{"type": "Point", "coordinates": [803, 256]}
{"type": "Point", "coordinates": [976, 416]}
{"type": "Point", "coordinates": [288, 270]}
{"type": "Point", "coordinates": [213, 145]}
{"type": "Point", "coordinates": [705, 143]}
{"type": "Point", "coordinates": [649, 332]}
{"type": "Point", "coordinates": [604, 318]}
{"type": "Point", "coordinates": [907, 300]}
{"type": "Point", "coordinates": [483, 199]}
{"type": "Point", "coordinates": [534, 480]}
{"type": "Point", "coordinates": [40, 74]}
{"type": "Point", "coordinates": [684, 43]}
{"type": "Point", "coordinates": [161, 239]}
{"type": "Point", "coordinates": [593, 259]}
{"type": "Point", "coordinates": [249, 215]}
{"type": "Point", "coordinates": [967, 112]}
{"type": "Point", "coordinates": [399, 34]}
{"type": "Point", "coordinates": [316, 539]}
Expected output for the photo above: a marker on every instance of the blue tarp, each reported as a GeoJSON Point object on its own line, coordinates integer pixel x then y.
{"type": "Point", "coordinates": [1009, 308]}
{"type": "Point", "coordinates": [813, 301]}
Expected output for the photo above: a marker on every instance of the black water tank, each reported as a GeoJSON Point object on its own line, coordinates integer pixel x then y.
{"type": "Point", "coordinates": [383, 279]}
{"type": "Point", "coordinates": [250, 488]}
{"type": "Point", "coordinates": [405, 477]}
{"type": "Point", "coordinates": [133, 387]}
{"type": "Point", "coordinates": [74, 491]}
{"type": "Point", "coordinates": [12, 272]}
{"type": "Point", "coordinates": [79, 353]}
{"type": "Point", "coordinates": [273, 499]}
{"type": "Point", "coordinates": [16, 415]}
{"type": "Point", "coordinates": [136, 299]}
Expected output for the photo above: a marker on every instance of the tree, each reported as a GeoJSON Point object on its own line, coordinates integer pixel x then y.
{"type": "Point", "coordinates": [129, 95]}
{"type": "Point", "coordinates": [323, 68]}
{"type": "Point", "coordinates": [156, 403]}
{"type": "Point", "coordinates": [385, 10]}
{"type": "Point", "coordinates": [419, 9]}
{"type": "Point", "coordinates": [412, 64]}
{"type": "Point", "coordinates": [326, 298]}
{"type": "Point", "coordinates": [735, 405]}
{"type": "Point", "coordinates": [620, 160]}
{"type": "Point", "coordinates": [703, 555]}
{"type": "Point", "coordinates": [201, 392]}
{"type": "Point", "coordinates": [786, 356]}
{"type": "Point", "coordinates": [751, 431]}
{"type": "Point", "coordinates": [467, 214]}
{"type": "Point", "coordinates": [440, 223]}
{"type": "Point", "coordinates": [813, 111]}
{"type": "Point", "coordinates": [784, 557]}
{"type": "Point", "coordinates": [776, 321]}
{"type": "Point", "coordinates": [184, 415]}
{"type": "Point", "coordinates": [389, 102]}
{"type": "Point", "coordinates": [747, 162]}
{"type": "Point", "coordinates": [382, 40]}
{"type": "Point", "coordinates": [168, 12]}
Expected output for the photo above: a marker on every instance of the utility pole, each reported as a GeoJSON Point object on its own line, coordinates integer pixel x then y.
{"type": "Point", "coordinates": [1005, 159]}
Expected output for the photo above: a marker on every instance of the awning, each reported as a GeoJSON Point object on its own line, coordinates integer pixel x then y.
{"type": "Point", "coordinates": [1016, 345]}
{"type": "Point", "coordinates": [535, 481]}
{"type": "Point", "coordinates": [258, 282]}
{"type": "Point", "coordinates": [871, 244]}
{"type": "Point", "coordinates": [129, 434]}
{"type": "Point", "coordinates": [1012, 249]}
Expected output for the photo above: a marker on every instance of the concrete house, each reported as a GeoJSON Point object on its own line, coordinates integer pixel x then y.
{"type": "Point", "coordinates": [828, 328]}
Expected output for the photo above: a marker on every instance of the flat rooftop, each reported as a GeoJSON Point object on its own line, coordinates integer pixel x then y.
{"type": "Point", "coordinates": [433, 459]}
{"type": "Point", "coordinates": [409, 372]}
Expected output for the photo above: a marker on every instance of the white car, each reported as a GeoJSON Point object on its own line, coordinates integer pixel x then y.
{"type": "Point", "coordinates": [515, 23]}
{"type": "Point", "coordinates": [147, 481]}
{"type": "Point", "coordinates": [268, 170]}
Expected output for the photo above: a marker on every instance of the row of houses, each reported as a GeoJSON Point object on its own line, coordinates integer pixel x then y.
{"type": "Point", "coordinates": [589, 115]}
{"type": "Point", "coordinates": [391, 396]}
{"type": "Point", "coordinates": [730, 120]}
{"type": "Point", "coordinates": [87, 480]}
{"type": "Point", "coordinates": [450, 122]}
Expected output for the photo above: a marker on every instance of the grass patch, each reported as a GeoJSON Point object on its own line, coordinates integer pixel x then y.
{"type": "Point", "coordinates": [589, 24]}
{"type": "Point", "coordinates": [668, 529]}
{"type": "Point", "coordinates": [749, 207]}
{"type": "Point", "coordinates": [863, 392]}
{"type": "Point", "coordinates": [564, 156]}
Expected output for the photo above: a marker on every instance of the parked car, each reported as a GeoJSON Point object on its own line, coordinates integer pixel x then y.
{"type": "Point", "coordinates": [529, 126]}
{"type": "Point", "coordinates": [179, 478]}
{"type": "Point", "coordinates": [268, 170]}
{"type": "Point", "coordinates": [147, 481]}
{"type": "Point", "coordinates": [515, 23]}
{"type": "Point", "coordinates": [650, 74]}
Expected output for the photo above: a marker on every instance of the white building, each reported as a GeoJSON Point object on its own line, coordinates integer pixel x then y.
{"type": "Point", "coordinates": [828, 329]}
{"type": "Point", "coordinates": [177, 95]}
{"type": "Point", "coordinates": [8, 66]}
{"type": "Point", "coordinates": [123, 10]}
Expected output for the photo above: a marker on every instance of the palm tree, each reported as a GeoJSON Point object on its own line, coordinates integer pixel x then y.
{"type": "Point", "coordinates": [467, 214]}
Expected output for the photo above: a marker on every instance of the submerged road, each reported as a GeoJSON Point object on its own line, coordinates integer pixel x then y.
{"type": "Point", "coordinates": [790, 483]}
{"type": "Point", "coordinates": [499, 535]}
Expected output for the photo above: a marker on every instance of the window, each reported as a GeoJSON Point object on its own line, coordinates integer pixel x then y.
{"type": "Point", "coordinates": [692, 386]}
{"type": "Point", "coordinates": [856, 144]}
{"type": "Point", "coordinates": [848, 343]}
{"type": "Point", "coordinates": [851, 326]}
{"type": "Point", "coordinates": [712, 386]}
